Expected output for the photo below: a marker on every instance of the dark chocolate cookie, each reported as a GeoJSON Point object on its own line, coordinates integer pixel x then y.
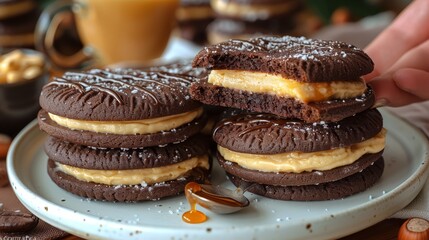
{"type": "Point", "coordinates": [301, 59]}
{"type": "Point", "coordinates": [182, 66]}
{"type": "Point", "coordinates": [94, 139]}
{"type": "Point", "coordinates": [298, 179]}
{"type": "Point", "coordinates": [329, 111]}
{"type": "Point", "coordinates": [269, 134]}
{"type": "Point", "coordinates": [119, 159]}
{"type": "Point", "coordinates": [350, 185]}
{"type": "Point", "coordinates": [14, 222]}
{"type": "Point", "coordinates": [118, 95]}
{"type": "Point", "coordinates": [124, 193]}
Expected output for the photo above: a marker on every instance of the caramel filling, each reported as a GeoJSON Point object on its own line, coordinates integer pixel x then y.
{"type": "Point", "coordinates": [135, 176]}
{"type": "Point", "coordinates": [251, 11]}
{"type": "Point", "coordinates": [145, 126]}
{"type": "Point", "coordinates": [297, 162]}
{"type": "Point", "coordinates": [278, 85]}
{"type": "Point", "coordinates": [194, 13]}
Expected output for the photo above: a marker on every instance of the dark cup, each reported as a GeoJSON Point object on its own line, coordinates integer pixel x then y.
{"type": "Point", "coordinates": [19, 102]}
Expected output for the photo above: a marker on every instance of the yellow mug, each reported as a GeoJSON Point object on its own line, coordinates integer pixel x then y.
{"type": "Point", "coordinates": [112, 31]}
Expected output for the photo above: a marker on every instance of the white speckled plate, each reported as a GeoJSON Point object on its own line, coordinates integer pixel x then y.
{"type": "Point", "coordinates": [406, 171]}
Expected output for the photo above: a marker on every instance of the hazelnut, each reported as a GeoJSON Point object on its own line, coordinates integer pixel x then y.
{"type": "Point", "coordinates": [414, 229]}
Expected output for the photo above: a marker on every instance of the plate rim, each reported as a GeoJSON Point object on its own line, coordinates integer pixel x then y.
{"type": "Point", "coordinates": [421, 172]}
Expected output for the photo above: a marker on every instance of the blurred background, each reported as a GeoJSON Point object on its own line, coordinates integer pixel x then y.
{"type": "Point", "coordinates": [199, 22]}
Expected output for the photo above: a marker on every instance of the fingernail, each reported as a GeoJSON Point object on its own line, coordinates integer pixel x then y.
{"type": "Point", "coordinates": [379, 103]}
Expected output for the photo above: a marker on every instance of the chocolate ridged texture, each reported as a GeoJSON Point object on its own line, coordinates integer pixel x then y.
{"type": "Point", "coordinates": [298, 58]}
{"type": "Point", "coordinates": [329, 111]}
{"type": "Point", "coordinates": [118, 94]}
{"type": "Point", "coordinates": [298, 179]}
{"type": "Point", "coordinates": [182, 66]}
{"type": "Point", "coordinates": [104, 140]}
{"type": "Point", "coordinates": [124, 193]}
{"type": "Point", "coordinates": [121, 159]}
{"type": "Point", "coordinates": [342, 188]}
{"type": "Point", "coordinates": [269, 134]}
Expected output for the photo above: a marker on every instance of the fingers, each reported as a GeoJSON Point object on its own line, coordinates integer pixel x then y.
{"type": "Point", "coordinates": [406, 32]}
{"type": "Point", "coordinates": [415, 58]}
{"type": "Point", "coordinates": [413, 81]}
{"type": "Point", "coordinates": [388, 93]}
{"type": "Point", "coordinates": [407, 81]}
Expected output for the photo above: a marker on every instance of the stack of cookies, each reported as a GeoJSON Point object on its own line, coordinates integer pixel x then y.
{"type": "Point", "coordinates": [241, 19]}
{"type": "Point", "coordinates": [307, 130]}
{"type": "Point", "coordinates": [123, 135]}
{"type": "Point", "coordinates": [193, 17]}
{"type": "Point", "coordinates": [18, 20]}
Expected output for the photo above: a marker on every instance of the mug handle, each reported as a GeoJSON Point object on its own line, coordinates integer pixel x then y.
{"type": "Point", "coordinates": [47, 26]}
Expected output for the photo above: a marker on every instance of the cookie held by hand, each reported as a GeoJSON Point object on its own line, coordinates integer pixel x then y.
{"type": "Point", "coordinates": [312, 80]}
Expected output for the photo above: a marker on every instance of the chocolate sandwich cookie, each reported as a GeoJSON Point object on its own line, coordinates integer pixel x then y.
{"type": "Point", "coordinates": [269, 134]}
{"type": "Point", "coordinates": [193, 16]}
{"type": "Point", "coordinates": [298, 179]}
{"type": "Point", "coordinates": [342, 188]}
{"type": "Point", "coordinates": [223, 29]}
{"type": "Point", "coordinates": [120, 108]}
{"type": "Point", "coordinates": [13, 8]}
{"type": "Point", "coordinates": [290, 154]}
{"type": "Point", "coordinates": [253, 10]}
{"type": "Point", "coordinates": [182, 66]}
{"type": "Point", "coordinates": [313, 80]}
{"type": "Point", "coordinates": [127, 174]}
{"type": "Point", "coordinates": [124, 193]}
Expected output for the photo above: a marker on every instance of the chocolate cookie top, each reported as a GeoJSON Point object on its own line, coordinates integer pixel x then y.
{"type": "Point", "coordinates": [269, 134]}
{"type": "Point", "coordinates": [299, 58]}
{"type": "Point", "coordinates": [118, 94]}
{"type": "Point", "coordinates": [183, 66]}
{"type": "Point", "coordinates": [124, 158]}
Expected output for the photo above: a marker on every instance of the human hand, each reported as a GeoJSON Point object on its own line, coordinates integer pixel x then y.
{"type": "Point", "coordinates": [401, 57]}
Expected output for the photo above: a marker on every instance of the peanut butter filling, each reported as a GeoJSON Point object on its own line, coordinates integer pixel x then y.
{"type": "Point", "coordinates": [145, 126]}
{"type": "Point", "coordinates": [297, 162]}
{"type": "Point", "coordinates": [135, 176]}
{"type": "Point", "coordinates": [278, 85]}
